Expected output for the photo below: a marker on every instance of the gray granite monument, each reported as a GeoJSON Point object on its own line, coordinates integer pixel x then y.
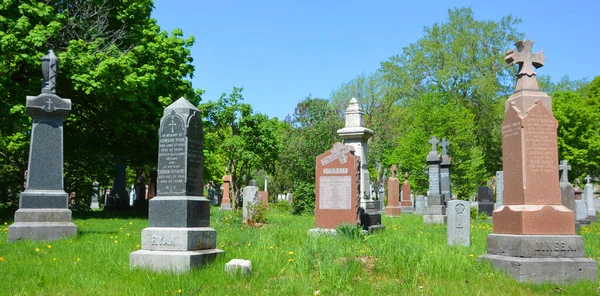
{"type": "Point", "coordinates": [445, 180]}
{"type": "Point", "coordinates": [485, 200]}
{"type": "Point", "coordinates": [588, 196]}
{"type": "Point", "coordinates": [566, 189]}
{"type": "Point", "coordinates": [459, 222]}
{"type": "Point", "coordinates": [250, 199]}
{"type": "Point", "coordinates": [420, 204]}
{"type": "Point", "coordinates": [118, 198]}
{"type": "Point", "coordinates": [436, 210]}
{"type": "Point", "coordinates": [94, 205]}
{"type": "Point", "coordinates": [43, 212]}
{"type": "Point", "coordinates": [179, 236]}
{"type": "Point", "coordinates": [357, 135]}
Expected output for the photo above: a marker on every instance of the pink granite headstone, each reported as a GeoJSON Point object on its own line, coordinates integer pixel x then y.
{"type": "Point", "coordinates": [393, 206]}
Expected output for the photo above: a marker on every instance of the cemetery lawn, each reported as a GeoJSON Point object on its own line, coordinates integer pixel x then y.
{"type": "Point", "coordinates": [407, 258]}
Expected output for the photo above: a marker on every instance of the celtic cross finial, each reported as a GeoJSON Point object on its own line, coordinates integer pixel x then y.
{"type": "Point", "coordinates": [444, 144]}
{"type": "Point", "coordinates": [50, 72]}
{"type": "Point", "coordinates": [433, 141]}
{"type": "Point", "coordinates": [526, 61]}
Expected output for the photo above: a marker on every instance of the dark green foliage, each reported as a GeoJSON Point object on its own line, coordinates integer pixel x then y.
{"type": "Point", "coordinates": [350, 231]}
{"type": "Point", "coordinates": [303, 198]}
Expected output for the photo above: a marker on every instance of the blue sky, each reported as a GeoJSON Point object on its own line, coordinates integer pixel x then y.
{"type": "Point", "coordinates": [282, 51]}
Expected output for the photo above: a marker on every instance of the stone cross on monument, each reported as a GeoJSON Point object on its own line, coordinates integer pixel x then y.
{"type": "Point", "coordinates": [433, 141]}
{"type": "Point", "coordinates": [444, 144]}
{"type": "Point", "coordinates": [394, 171]}
{"type": "Point", "coordinates": [526, 61]}
{"type": "Point", "coordinates": [565, 168]}
{"type": "Point", "coordinates": [587, 179]}
{"type": "Point", "coordinates": [49, 71]}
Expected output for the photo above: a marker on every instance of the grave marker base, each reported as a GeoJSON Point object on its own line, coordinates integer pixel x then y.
{"type": "Point", "coordinates": [172, 261]}
{"type": "Point", "coordinates": [41, 225]}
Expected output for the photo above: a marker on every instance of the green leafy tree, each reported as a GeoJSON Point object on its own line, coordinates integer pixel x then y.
{"type": "Point", "coordinates": [462, 58]}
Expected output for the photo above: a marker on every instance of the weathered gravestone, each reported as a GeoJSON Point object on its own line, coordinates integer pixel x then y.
{"type": "Point", "coordinates": [406, 205]}
{"type": "Point", "coordinates": [393, 206]}
{"type": "Point", "coordinates": [436, 210]}
{"type": "Point", "coordinates": [43, 212]}
{"type": "Point", "coordinates": [178, 236]}
{"type": "Point", "coordinates": [119, 199]}
{"type": "Point", "coordinates": [534, 235]}
{"type": "Point", "coordinates": [577, 189]}
{"type": "Point", "coordinates": [357, 135]}
{"type": "Point", "coordinates": [263, 196]}
{"type": "Point", "coordinates": [588, 196]}
{"type": "Point", "coordinates": [249, 200]}
{"type": "Point", "coordinates": [94, 205]}
{"type": "Point", "coordinates": [445, 165]}
{"type": "Point", "coordinates": [581, 212]}
{"type": "Point", "coordinates": [420, 204]}
{"type": "Point", "coordinates": [459, 222]}
{"type": "Point", "coordinates": [226, 201]}
{"type": "Point", "coordinates": [499, 188]}
{"type": "Point", "coordinates": [337, 184]}
{"type": "Point", "coordinates": [566, 189]}
{"type": "Point", "coordinates": [485, 200]}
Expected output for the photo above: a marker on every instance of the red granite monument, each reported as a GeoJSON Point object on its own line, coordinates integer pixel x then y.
{"type": "Point", "coordinates": [534, 235]}
{"type": "Point", "coordinates": [337, 185]}
{"type": "Point", "coordinates": [226, 202]}
{"type": "Point", "coordinates": [393, 206]}
{"type": "Point", "coordinates": [406, 204]}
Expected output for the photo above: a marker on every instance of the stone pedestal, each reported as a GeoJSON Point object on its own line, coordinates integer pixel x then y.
{"type": "Point", "coordinates": [226, 201]}
{"type": "Point", "coordinates": [43, 212]}
{"type": "Point", "coordinates": [178, 237]}
{"type": "Point", "coordinates": [534, 235]}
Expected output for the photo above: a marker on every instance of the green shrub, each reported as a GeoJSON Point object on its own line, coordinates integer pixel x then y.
{"type": "Point", "coordinates": [303, 198]}
{"type": "Point", "coordinates": [483, 216]}
{"type": "Point", "coordinates": [350, 231]}
{"type": "Point", "coordinates": [257, 213]}
{"type": "Point", "coordinates": [473, 213]}
{"type": "Point", "coordinates": [283, 206]}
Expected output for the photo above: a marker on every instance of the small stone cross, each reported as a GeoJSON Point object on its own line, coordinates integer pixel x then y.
{"type": "Point", "coordinates": [393, 171]}
{"type": "Point", "coordinates": [565, 168]}
{"type": "Point", "coordinates": [49, 102]}
{"type": "Point", "coordinates": [338, 151]}
{"type": "Point", "coordinates": [524, 58]}
{"type": "Point", "coordinates": [444, 144]}
{"type": "Point", "coordinates": [433, 141]}
{"type": "Point", "coordinates": [588, 179]}
{"type": "Point", "coordinates": [172, 124]}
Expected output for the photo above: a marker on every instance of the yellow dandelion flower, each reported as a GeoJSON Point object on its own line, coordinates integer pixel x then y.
{"type": "Point", "coordinates": [290, 260]}
{"type": "Point", "coordinates": [116, 236]}
{"type": "Point", "coordinates": [5, 223]}
{"type": "Point", "coordinates": [53, 259]}
{"type": "Point", "coordinates": [179, 291]}
{"type": "Point", "coordinates": [49, 247]}
{"type": "Point", "coordinates": [37, 249]}
{"type": "Point", "coordinates": [116, 241]}
{"type": "Point", "coordinates": [130, 223]}
{"type": "Point", "coordinates": [271, 247]}
{"type": "Point", "coordinates": [137, 246]}
{"type": "Point", "coordinates": [1, 259]}
{"type": "Point", "coordinates": [471, 255]}
{"type": "Point", "coordinates": [78, 259]}
{"type": "Point", "coordinates": [249, 244]}
{"type": "Point", "coordinates": [291, 252]}
{"type": "Point", "coordinates": [111, 236]}
{"type": "Point", "coordinates": [128, 235]}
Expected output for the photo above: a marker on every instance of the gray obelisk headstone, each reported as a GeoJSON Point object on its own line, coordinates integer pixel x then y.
{"type": "Point", "coordinates": [96, 190]}
{"type": "Point", "coordinates": [499, 188]}
{"type": "Point", "coordinates": [43, 212]}
{"type": "Point", "coordinates": [588, 196]}
{"type": "Point", "coordinates": [445, 180]}
{"type": "Point", "coordinates": [486, 200]}
{"type": "Point", "coordinates": [436, 211]}
{"type": "Point", "coordinates": [459, 222]}
{"type": "Point", "coordinates": [178, 236]}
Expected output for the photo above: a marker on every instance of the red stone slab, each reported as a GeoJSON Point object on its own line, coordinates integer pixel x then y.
{"type": "Point", "coordinates": [263, 196]}
{"type": "Point", "coordinates": [226, 184]}
{"type": "Point", "coordinates": [393, 189]}
{"type": "Point", "coordinates": [337, 182]}
{"type": "Point", "coordinates": [406, 202]}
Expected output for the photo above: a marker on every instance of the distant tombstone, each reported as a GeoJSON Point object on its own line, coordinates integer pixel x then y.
{"type": "Point", "coordinates": [445, 165]}
{"type": "Point", "coordinates": [95, 204]}
{"type": "Point", "coordinates": [486, 200]}
{"type": "Point", "coordinates": [581, 210]}
{"type": "Point", "coordinates": [250, 199]}
{"type": "Point", "coordinates": [459, 222]}
{"type": "Point", "coordinates": [263, 196]}
{"type": "Point", "coordinates": [226, 201]}
{"type": "Point", "coordinates": [43, 212]}
{"type": "Point", "coordinates": [578, 191]}
{"type": "Point", "coordinates": [499, 188]}
{"type": "Point", "coordinates": [153, 183]}
{"type": "Point", "coordinates": [406, 204]}
{"type": "Point", "coordinates": [140, 201]}
{"type": "Point", "coordinates": [131, 195]}
{"type": "Point", "coordinates": [393, 205]}
{"type": "Point", "coordinates": [588, 196]}
{"type": "Point", "coordinates": [178, 237]}
{"type": "Point", "coordinates": [436, 210]}
{"type": "Point", "coordinates": [337, 186]}
{"type": "Point", "coordinates": [420, 204]}
{"type": "Point", "coordinates": [566, 189]}
{"type": "Point", "coordinates": [119, 199]}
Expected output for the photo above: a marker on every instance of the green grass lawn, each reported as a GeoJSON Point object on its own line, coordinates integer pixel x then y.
{"type": "Point", "coordinates": [407, 258]}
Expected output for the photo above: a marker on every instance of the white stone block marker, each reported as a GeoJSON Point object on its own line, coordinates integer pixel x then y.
{"type": "Point", "coordinates": [459, 222]}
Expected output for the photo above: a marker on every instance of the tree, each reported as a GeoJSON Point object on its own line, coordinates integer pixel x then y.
{"type": "Point", "coordinates": [309, 132]}
{"type": "Point", "coordinates": [117, 66]}
{"type": "Point", "coordinates": [246, 141]}
{"type": "Point", "coordinates": [463, 59]}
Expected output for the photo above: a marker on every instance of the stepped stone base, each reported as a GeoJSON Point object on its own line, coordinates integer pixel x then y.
{"type": "Point", "coordinates": [226, 207]}
{"type": "Point", "coordinates": [435, 214]}
{"type": "Point", "coordinates": [540, 270]}
{"type": "Point", "coordinates": [407, 209]}
{"type": "Point", "coordinates": [172, 261]}
{"type": "Point", "coordinates": [541, 258]}
{"type": "Point", "coordinates": [41, 225]}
